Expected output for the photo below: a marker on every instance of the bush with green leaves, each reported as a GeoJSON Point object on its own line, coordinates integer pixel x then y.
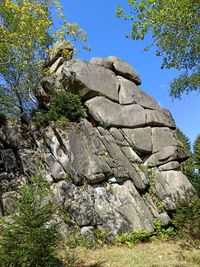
{"type": "Point", "coordinates": [132, 238]}
{"type": "Point", "coordinates": [187, 220]}
{"type": "Point", "coordinates": [65, 106]}
{"type": "Point", "coordinates": [28, 237]}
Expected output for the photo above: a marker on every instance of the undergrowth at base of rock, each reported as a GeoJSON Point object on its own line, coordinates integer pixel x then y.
{"type": "Point", "coordinates": [134, 237]}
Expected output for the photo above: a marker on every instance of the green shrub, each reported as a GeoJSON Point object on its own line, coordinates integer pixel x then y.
{"type": "Point", "coordinates": [27, 240]}
{"type": "Point", "coordinates": [104, 124]}
{"type": "Point", "coordinates": [65, 107]}
{"type": "Point", "coordinates": [161, 231]}
{"type": "Point", "coordinates": [77, 240]}
{"type": "Point", "coordinates": [132, 238]}
{"type": "Point", "coordinates": [187, 220]}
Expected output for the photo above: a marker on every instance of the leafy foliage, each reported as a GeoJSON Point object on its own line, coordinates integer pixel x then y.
{"type": "Point", "coordinates": [65, 107]}
{"type": "Point", "coordinates": [175, 30]}
{"type": "Point", "coordinates": [196, 158]}
{"type": "Point", "coordinates": [26, 31]}
{"type": "Point", "coordinates": [191, 167]}
{"type": "Point", "coordinates": [187, 220]}
{"type": "Point", "coordinates": [132, 238]}
{"type": "Point", "coordinates": [27, 237]}
{"type": "Point", "coordinates": [187, 167]}
{"type": "Point", "coordinates": [197, 153]}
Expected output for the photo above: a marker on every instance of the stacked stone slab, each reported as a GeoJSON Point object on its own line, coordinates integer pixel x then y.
{"type": "Point", "coordinates": [119, 168]}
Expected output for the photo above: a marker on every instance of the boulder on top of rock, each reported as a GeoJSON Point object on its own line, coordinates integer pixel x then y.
{"type": "Point", "coordinates": [61, 48]}
{"type": "Point", "coordinates": [119, 66]}
{"type": "Point", "coordinates": [130, 93]}
{"type": "Point", "coordinates": [160, 118]}
{"type": "Point", "coordinates": [81, 77]}
{"type": "Point", "coordinates": [104, 62]}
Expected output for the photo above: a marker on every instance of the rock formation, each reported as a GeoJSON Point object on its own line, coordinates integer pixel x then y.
{"type": "Point", "coordinates": [119, 168]}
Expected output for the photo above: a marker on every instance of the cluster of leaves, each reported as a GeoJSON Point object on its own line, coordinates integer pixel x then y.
{"type": "Point", "coordinates": [191, 167]}
{"type": "Point", "coordinates": [132, 238]}
{"type": "Point", "coordinates": [174, 26]}
{"type": "Point", "coordinates": [26, 31]}
{"type": "Point", "coordinates": [65, 106]}
{"type": "Point", "coordinates": [28, 238]}
{"type": "Point", "coordinates": [196, 159]}
{"type": "Point", "coordinates": [187, 220]}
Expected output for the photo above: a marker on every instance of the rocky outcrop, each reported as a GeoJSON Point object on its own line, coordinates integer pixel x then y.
{"type": "Point", "coordinates": [117, 169]}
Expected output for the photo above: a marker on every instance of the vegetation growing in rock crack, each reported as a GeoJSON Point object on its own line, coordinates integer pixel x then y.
{"type": "Point", "coordinates": [133, 237]}
{"type": "Point", "coordinates": [65, 107]}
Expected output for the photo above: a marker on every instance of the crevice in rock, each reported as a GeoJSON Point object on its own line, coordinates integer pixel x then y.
{"type": "Point", "coordinates": [62, 145]}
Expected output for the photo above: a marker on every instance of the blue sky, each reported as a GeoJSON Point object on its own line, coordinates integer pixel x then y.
{"type": "Point", "coordinates": [106, 36]}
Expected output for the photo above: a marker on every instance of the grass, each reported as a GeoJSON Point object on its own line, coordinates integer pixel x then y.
{"type": "Point", "coordinates": [158, 253]}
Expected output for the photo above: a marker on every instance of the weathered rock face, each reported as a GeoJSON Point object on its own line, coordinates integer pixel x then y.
{"type": "Point", "coordinates": [119, 168]}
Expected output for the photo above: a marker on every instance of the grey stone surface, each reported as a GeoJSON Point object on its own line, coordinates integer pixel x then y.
{"type": "Point", "coordinates": [133, 115]}
{"type": "Point", "coordinates": [56, 149]}
{"type": "Point", "coordinates": [55, 168]}
{"type": "Point", "coordinates": [160, 118]}
{"type": "Point", "coordinates": [8, 201]}
{"type": "Point", "coordinates": [56, 65]}
{"type": "Point", "coordinates": [104, 62]}
{"type": "Point", "coordinates": [31, 160]}
{"type": "Point", "coordinates": [173, 187]}
{"type": "Point", "coordinates": [122, 167]}
{"type": "Point", "coordinates": [124, 69]}
{"type": "Point", "coordinates": [117, 135]}
{"type": "Point", "coordinates": [167, 154]}
{"type": "Point", "coordinates": [157, 213]}
{"type": "Point", "coordinates": [162, 137]}
{"type": "Point", "coordinates": [88, 232]}
{"type": "Point", "coordinates": [139, 138]}
{"type": "Point", "coordinates": [172, 165]}
{"type": "Point", "coordinates": [122, 208]}
{"type": "Point", "coordinates": [15, 138]}
{"type": "Point", "coordinates": [131, 154]}
{"type": "Point", "coordinates": [119, 66]}
{"type": "Point", "coordinates": [121, 116]}
{"type": "Point", "coordinates": [81, 77]}
{"type": "Point", "coordinates": [6, 181]}
{"type": "Point", "coordinates": [86, 162]}
{"type": "Point", "coordinates": [9, 160]}
{"type": "Point", "coordinates": [130, 93]}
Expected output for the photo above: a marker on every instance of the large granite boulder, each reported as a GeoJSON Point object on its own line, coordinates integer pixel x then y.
{"type": "Point", "coordinates": [81, 77]}
{"type": "Point", "coordinates": [133, 116]}
{"type": "Point", "coordinates": [119, 66]}
{"type": "Point", "coordinates": [118, 169]}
